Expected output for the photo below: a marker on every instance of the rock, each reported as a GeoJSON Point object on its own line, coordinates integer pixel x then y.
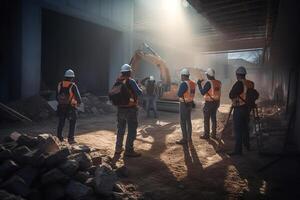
{"type": "Point", "coordinates": [48, 143]}
{"type": "Point", "coordinates": [54, 192]}
{"type": "Point", "coordinates": [122, 172]}
{"type": "Point", "coordinates": [84, 160]}
{"type": "Point", "coordinates": [28, 174]}
{"type": "Point", "coordinates": [14, 136]}
{"type": "Point", "coordinates": [77, 191]}
{"type": "Point", "coordinates": [96, 158]}
{"type": "Point", "coordinates": [54, 176]}
{"type": "Point", "coordinates": [119, 196]}
{"type": "Point", "coordinates": [82, 176]}
{"type": "Point", "coordinates": [118, 187]}
{"type": "Point", "coordinates": [34, 158]}
{"type": "Point", "coordinates": [21, 150]}
{"type": "Point", "coordinates": [7, 168]}
{"type": "Point", "coordinates": [92, 170]}
{"type": "Point", "coordinates": [80, 148]}
{"type": "Point", "coordinates": [69, 167]}
{"type": "Point", "coordinates": [4, 195]}
{"type": "Point", "coordinates": [130, 188]}
{"type": "Point", "coordinates": [108, 160]}
{"type": "Point", "coordinates": [16, 185]}
{"type": "Point", "coordinates": [10, 145]}
{"type": "Point", "coordinates": [90, 182]}
{"type": "Point", "coordinates": [27, 140]}
{"type": "Point", "coordinates": [105, 179]}
{"type": "Point", "coordinates": [5, 154]}
{"type": "Point", "coordinates": [57, 157]}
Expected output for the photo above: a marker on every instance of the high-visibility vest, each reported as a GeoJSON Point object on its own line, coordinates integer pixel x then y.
{"type": "Point", "coordinates": [68, 84]}
{"type": "Point", "coordinates": [214, 93]}
{"type": "Point", "coordinates": [241, 99]}
{"type": "Point", "coordinates": [133, 101]}
{"type": "Point", "coordinates": [189, 94]}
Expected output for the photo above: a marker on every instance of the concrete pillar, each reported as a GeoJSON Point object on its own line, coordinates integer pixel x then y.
{"type": "Point", "coordinates": [31, 48]}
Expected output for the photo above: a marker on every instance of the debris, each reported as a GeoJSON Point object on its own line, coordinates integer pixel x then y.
{"type": "Point", "coordinates": [105, 179]}
{"type": "Point", "coordinates": [69, 167]}
{"type": "Point", "coordinates": [16, 185]}
{"type": "Point", "coordinates": [77, 190]}
{"type": "Point", "coordinates": [54, 176]}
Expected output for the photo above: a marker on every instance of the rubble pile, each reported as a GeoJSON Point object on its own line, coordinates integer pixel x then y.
{"type": "Point", "coordinates": [96, 105]}
{"type": "Point", "coordinates": [41, 167]}
{"type": "Point", "coordinates": [35, 107]}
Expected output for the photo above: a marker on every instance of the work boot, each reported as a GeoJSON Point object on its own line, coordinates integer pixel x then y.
{"type": "Point", "coordinates": [71, 141]}
{"type": "Point", "coordinates": [119, 150]}
{"type": "Point", "coordinates": [181, 142]}
{"type": "Point", "coordinates": [205, 137]}
{"type": "Point", "coordinates": [132, 154]}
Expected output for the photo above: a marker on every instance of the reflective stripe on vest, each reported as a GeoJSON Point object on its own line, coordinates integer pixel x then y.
{"type": "Point", "coordinates": [214, 93]}
{"type": "Point", "coordinates": [241, 99]}
{"type": "Point", "coordinates": [189, 94]}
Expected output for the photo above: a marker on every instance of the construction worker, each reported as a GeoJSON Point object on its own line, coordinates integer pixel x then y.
{"type": "Point", "coordinates": [241, 112]}
{"type": "Point", "coordinates": [186, 94]}
{"type": "Point", "coordinates": [128, 114]}
{"type": "Point", "coordinates": [151, 95]}
{"type": "Point", "coordinates": [211, 91]}
{"type": "Point", "coordinates": [68, 98]}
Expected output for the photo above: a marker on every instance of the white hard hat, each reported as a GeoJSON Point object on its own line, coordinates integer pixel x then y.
{"type": "Point", "coordinates": [151, 78]}
{"type": "Point", "coordinates": [210, 72]}
{"type": "Point", "coordinates": [241, 70]}
{"type": "Point", "coordinates": [185, 72]}
{"type": "Point", "coordinates": [69, 73]}
{"type": "Point", "coordinates": [125, 68]}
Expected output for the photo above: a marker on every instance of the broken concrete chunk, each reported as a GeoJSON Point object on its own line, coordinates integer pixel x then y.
{"type": "Point", "coordinates": [77, 191]}
{"type": "Point", "coordinates": [48, 143]}
{"type": "Point", "coordinates": [7, 168]}
{"type": "Point", "coordinates": [105, 179]}
{"type": "Point", "coordinates": [54, 192]}
{"type": "Point", "coordinates": [69, 167]}
{"type": "Point", "coordinates": [80, 148]}
{"type": "Point", "coordinates": [54, 176]}
{"type": "Point", "coordinates": [14, 136]}
{"type": "Point", "coordinates": [57, 158]}
{"type": "Point", "coordinates": [4, 195]}
{"type": "Point", "coordinates": [16, 185]}
{"type": "Point", "coordinates": [28, 174]}
{"type": "Point", "coordinates": [82, 176]}
{"type": "Point", "coordinates": [5, 154]}
{"type": "Point", "coordinates": [84, 160]}
{"type": "Point", "coordinates": [27, 140]}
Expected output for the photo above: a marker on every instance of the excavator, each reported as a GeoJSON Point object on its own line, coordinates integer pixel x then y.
{"type": "Point", "coordinates": [168, 99]}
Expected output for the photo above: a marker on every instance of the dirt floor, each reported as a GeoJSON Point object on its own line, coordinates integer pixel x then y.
{"type": "Point", "coordinates": [170, 171]}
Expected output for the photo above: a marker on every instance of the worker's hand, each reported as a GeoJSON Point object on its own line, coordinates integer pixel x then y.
{"type": "Point", "coordinates": [199, 81]}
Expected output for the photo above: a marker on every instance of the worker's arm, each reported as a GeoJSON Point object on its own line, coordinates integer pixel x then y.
{"type": "Point", "coordinates": [203, 90]}
{"type": "Point", "coordinates": [76, 93]}
{"type": "Point", "coordinates": [182, 89]}
{"type": "Point", "coordinates": [138, 91]}
{"type": "Point", "coordinates": [143, 82]}
{"type": "Point", "coordinates": [236, 90]}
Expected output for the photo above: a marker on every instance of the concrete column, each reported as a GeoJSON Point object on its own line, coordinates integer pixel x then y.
{"type": "Point", "coordinates": [31, 48]}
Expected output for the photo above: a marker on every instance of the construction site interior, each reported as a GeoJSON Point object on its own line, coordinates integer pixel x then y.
{"type": "Point", "coordinates": [41, 39]}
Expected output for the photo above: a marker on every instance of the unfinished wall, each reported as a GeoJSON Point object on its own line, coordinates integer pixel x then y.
{"type": "Point", "coordinates": [113, 14]}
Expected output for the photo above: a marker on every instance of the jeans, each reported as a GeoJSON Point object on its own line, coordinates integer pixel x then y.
{"type": "Point", "coordinates": [210, 113]}
{"type": "Point", "coordinates": [64, 113]}
{"type": "Point", "coordinates": [240, 126]}
{"type": "Point", "coordinates": [151, 103]}
{"type": "Point", "coordinates": [126, 116]}
{"type": "Point", "coordinates": [185, 110]}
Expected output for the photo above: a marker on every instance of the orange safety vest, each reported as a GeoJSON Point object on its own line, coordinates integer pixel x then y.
{"type": "Point", "coordinates": [189, 94]}
{"type": "Point", "coordinates": [214, 93]}
{"type": "Point", "coordinates": [67, 84]}
{"type": "Point", "coordinates": [241, 99]}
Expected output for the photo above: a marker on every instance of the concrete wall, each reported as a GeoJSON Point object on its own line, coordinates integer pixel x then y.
{"type": "Point", "coordinates": [114, 14]}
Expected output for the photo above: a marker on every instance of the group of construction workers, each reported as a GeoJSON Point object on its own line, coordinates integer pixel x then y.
{"type": "Point", "coordinates": [68, 98]}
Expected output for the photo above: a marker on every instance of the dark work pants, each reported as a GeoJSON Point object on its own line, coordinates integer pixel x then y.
{"type": "Point", "coordinates": [185, 110]}
{"type": "Point", "coordinates": [63, 114]}
{"type": "Point", "coordinates": [126, 116]}
{"type": "Point", "coordinates": [210, 113]}
{"type": "Point", "coordinates": [240, 126]}
{"type": "Point", "coordinates": [151, 103]}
